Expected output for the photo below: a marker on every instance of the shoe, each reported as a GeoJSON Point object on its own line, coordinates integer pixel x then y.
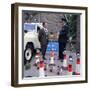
{"type": "Point", "coordinates": [61, 60]}
{"type": "Point", "coordinates": [44, 58]}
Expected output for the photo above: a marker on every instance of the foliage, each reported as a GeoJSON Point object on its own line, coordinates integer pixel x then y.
{"type": "Point", "coordinates": [72, 23]}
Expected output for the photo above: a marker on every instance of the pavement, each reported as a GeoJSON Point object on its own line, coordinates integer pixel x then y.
{"type": "Point", "coordinates": [51, 70]}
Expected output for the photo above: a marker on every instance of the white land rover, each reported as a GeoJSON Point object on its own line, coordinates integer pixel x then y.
{"type": "Point", "coordinates": [31, 41]}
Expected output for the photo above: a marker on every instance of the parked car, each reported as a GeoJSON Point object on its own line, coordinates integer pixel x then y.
{"type": "Point", "coordinates": [31, 42]}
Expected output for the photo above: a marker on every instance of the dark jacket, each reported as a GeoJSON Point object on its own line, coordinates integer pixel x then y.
{"type": "Point", "coordinates": [42, 37]}
{"type": "Point", "coordinates": [63, 34]}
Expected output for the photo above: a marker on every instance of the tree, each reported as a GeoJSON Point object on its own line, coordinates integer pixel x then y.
{"type": "Point", "coordinates": [72, 23]}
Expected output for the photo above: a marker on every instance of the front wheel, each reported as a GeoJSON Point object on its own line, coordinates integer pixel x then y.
{"type": "Point", "coordinates": [28, 53]}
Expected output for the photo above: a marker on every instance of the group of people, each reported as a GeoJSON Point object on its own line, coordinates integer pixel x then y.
{"type": "Point", "coordinates": [62, 40]}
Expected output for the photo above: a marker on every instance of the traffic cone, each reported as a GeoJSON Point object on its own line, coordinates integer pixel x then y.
{"type": "Point", "coordinates": [70, 70]}
{"type": "Point", "coordinates": [41, 69]}
{"type": "Point", "coordinates": [77, 67]}
{"type": "Point", "coordinates": [52, 63]}
{"type": "Point", "coordinates": [52, 57]}
{"type": "Point", "coordinates": [37, 57]}
{"type": "Point", "coordinates": [65, 65]}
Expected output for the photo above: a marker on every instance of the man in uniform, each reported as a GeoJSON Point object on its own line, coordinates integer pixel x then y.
{"type": "Point", "coordinates": [43, 38]}
{"type": "Point", "coordinates": [62, 37]}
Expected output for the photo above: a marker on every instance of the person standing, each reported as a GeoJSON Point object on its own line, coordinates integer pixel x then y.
{"type": "Point", "coordinates": [43, 38]}
{"type": "Point", "coordinates": [62, 40]}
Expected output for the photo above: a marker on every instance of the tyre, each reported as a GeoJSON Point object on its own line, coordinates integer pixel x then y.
{"type": "Point", "coordinates": [28, 53]}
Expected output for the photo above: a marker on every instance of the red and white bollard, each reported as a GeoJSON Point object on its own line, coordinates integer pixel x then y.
{"type": "Point", "coordinates": [37, 57]}
{"type": "Point", "coordinates": [52, 57]}
{"type": "Point", "coordinates": [52, 63]}
{"type": "Point", "coordinates": [77, 72]}
{"type": "Point", "coordinates": [41, 69]}
{"type": "Point", "coordinates": [65, 65]}
{"type": "Point", "coordinates": [70, 70]}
